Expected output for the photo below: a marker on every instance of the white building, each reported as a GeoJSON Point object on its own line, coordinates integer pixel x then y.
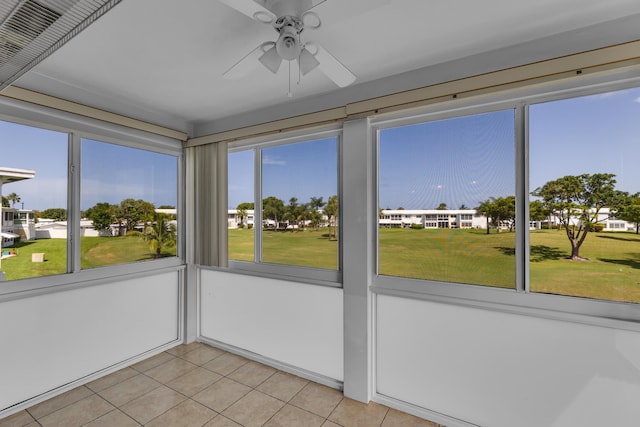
{"type": "Point", "coordinates": [432, 218]}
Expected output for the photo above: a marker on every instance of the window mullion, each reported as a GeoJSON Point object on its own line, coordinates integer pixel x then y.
{"type": "Point", "coordinates": [257, 204]}
{"type": "Point", "coordinates": [522, 200]}
{"type": "Point", "coordinates": [73, 204]}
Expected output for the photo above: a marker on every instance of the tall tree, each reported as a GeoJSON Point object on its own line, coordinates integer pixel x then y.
{"type": "Point", "coordinates": [630, 211]}
{"type": "Point", "coordinates": [486, 208]}
{"type": "Point", "coordinates": [160, 233]}
{"type": "Point", "coordinates": [5, 202]}
{"type": "Point", "coordinates": [442, 207]}
{"type": "Point", "coordinates": [101, 215]}
{"type": "Point", "coordinates": [13, 198]}
{"type": "Point", "coordinates": [577, 202]}
{"type": "Point", "coordinates": [131, 212]}
{"type": "Point", "coordinates": [331, 210]}
{"type": "Point", "coordinates": [273, 209]}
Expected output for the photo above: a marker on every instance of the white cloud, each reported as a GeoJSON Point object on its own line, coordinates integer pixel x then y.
{"type": "Point", "coordinates": [268, 160]}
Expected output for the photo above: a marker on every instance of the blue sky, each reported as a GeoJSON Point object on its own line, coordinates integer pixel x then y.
{"type": "Point", "coordinates": [302, 170]}
{"type": "Point", "coordinates": [457, 161]}
{"type": "Point", "coordinates": [110, 173]}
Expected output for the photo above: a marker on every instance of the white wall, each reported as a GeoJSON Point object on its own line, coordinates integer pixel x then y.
{"type": "Point", "coordinates": [293, 323]}
{"type": "Point", "coordinates": [50, 340]}
{"type": "Point", "coordinates": [495, 369]}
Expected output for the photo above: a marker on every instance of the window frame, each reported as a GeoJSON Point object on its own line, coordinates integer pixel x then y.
{"type": "Point", "coordinates": [299, 274]}
{"type": "Point", "coordinates": [605, 313]}
{"type": "Point", "coordinates": [78, 128]}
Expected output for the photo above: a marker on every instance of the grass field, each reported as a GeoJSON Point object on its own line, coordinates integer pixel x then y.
{"type": "Point", "coordinates": [612, 270]}
{"type": "Point", "coordinates": [471, 256]}
{"type": "Point", "coordinates": [94, 252]}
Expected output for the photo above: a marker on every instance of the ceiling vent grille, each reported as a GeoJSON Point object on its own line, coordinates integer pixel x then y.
{"type": "Point", "coordinates": [31, 30]}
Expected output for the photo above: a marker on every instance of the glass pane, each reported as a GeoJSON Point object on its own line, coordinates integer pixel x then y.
{"type": "Point", "coordinates": [585, 205]}
{"type": "Point", "coordinates": [241, 206]}
{"type": "Point", "coordinates": [33, 166]}
{"type": "Point", "coordinates": [300, 204]}
{"type": "Point", "coordinates": [128, 199]}
{"type": "Point", "coordinates": [446, 200]}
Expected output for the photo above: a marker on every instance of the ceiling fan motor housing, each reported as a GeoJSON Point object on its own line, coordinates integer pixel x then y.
{"type": "Point", "coordinates": [288, 45]}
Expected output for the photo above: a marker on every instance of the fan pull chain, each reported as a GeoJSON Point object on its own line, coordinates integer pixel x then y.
{"type": "Point", "coordinates": [289, 94]}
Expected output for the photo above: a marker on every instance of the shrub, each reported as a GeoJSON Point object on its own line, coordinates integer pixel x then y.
{"type": "Point", "coordinates": [241, 225]}
{"type": "Point", "coordinates": [416, 226]}
{"type": "Point", "coordinates": [249, 226]}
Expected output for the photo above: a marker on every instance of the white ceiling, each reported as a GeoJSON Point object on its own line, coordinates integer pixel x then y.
{"type": "Point", "coordinates": [163, 60]}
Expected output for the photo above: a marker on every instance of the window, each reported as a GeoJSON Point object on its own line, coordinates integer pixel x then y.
{"type": "Point", "coordinates": [297, 222]}
{"type": "Point", "coordinates": [128, 200]}
{"type": "Point", "coordinates": [33, 168]}
{"type": "Point", "coordinates": [458, 168]}
{"type": "Point", "coordinates": [585, 185]}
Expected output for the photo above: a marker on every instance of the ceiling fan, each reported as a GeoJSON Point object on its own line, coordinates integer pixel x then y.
{"type": "Point", "coordinates": [289, 18]}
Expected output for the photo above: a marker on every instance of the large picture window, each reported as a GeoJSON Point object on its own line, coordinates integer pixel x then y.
{"type": "Point", "coordinates": [128, 201]}
{"type": "Point", "coordinates": [446, 194]}
{"type": "Point", "coordinates": [33, 183]}
{"type": "Point", "coordinates": [585, 187]}
{"type": "Point", "coordinates": [297, 221]}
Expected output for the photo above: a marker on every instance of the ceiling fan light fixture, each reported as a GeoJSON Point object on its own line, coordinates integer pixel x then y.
{"type": "Point", "coordinates": [307, 62]}
{"type": "Point", "coordinates": [288, 44]}
{"type": "Point", "coordinates": [271, 59]}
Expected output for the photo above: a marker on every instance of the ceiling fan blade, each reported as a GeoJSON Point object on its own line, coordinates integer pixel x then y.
{"type": "Point", "coordinates": [248, 63]}
{"type": "Point", "coordinates": [253, 9]}
{"type": "Point", "coordinates": [310, 4]}
{"type": "Point", "coordinates": [271, 59]}
{"type": "Point", "coordinates": [333, 68]}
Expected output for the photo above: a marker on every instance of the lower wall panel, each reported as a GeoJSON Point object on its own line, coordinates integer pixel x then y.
{"type": "Point", "coordinates": [293, 323]}
{"type": "Point", "coordinates": [495, 369]}
{"type": "Point", "coordinates": [50, 340]}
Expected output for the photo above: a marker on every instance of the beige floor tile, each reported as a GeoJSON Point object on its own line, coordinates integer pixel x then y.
{"type": "Point", "coordinates": [252, 374]}
{"type": "Point", "coordinates": [292, 416]}
{"type": "Point", "coordinates": [153, 361]}
{"type": "Point", "coordinates": [282, 385]}
{"type": "Point", "coordinates": [330, 424]}
{"type": "Point", "coordinates": [188, 413]}
{"type": "Point", "coordinates": [400, 419]}
{"type": "Point", "coordinates": [112, 379]}
{"type": "Point", "coordinates": [221, 394]}
{"type": "Point", "coordinates": [115, 418]}
{"type": "Point", "coordinates": [33, 424]}
{"type": "Point", "coordinates": [19, 419]}
{"type": "Point", "coordinates": [78, 413]}
{"type": "Point", "coordinates": [130, 389]}
{"type": "Point", "coordinates": [194, 381]}
{"type": "Point", "coordinates": [181, 349]}
{"type": "Point", "coordinates": [351, 413]}
{"type": "Point", "coordinates": [170, 370]}
{"type": "Point", "coordinates": [202, 355]}
{"type": "Point", "coordinates": [156, 402]}
{"type": "Point", "coordinates": [254, 409]}
{"type": "Point", "coordinates": [225, 364]}
{"type": "Point", "coordinates": [222, 421]}
{"type": "Point", "coordinates": [49, 406]}
{"type": "Point", "coordinates": [318, 399]}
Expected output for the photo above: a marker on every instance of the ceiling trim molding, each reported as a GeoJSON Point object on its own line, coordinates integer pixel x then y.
{"type": "Point", "coordinates": [49, 101]}
{"type": "Point", "coordinates": [575, 66]}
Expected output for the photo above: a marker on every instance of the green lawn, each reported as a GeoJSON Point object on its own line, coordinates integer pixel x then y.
{"type": "Point", "coordinates": [612, 270]}
{"type": "Point", "coordinates": [310, 248]}
{"type": "Point", "coordinates": [94, 252]}
{"type": "Point", "coordinates": [471, 256]}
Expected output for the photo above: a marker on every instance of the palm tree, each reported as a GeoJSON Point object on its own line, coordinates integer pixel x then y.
{"type": "Point", "coordinates": [160, 234]}
{"type": "Point", "coordinates": [13, 198]}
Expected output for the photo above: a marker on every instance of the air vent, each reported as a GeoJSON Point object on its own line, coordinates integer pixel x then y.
{"type": "Point", "coordinates": [31, 30]}
{"type": "Point", "coordinates": [23, 26]}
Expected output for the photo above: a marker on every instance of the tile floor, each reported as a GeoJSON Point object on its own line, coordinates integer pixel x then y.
{"type": "Point", "coordinates": [198, 385]}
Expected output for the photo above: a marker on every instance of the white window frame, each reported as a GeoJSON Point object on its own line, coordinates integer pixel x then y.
{"type": "Point", "coordinates": [605, 313]}
{"type": "Point", "coordinates": [78, 128]}
{"type": "Point", "coordinates": [309, 275]}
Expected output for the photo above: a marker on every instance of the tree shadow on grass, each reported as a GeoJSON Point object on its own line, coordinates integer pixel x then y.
{"type": "Point", "coordinates": [537, 253]}
{"type": "Point", "coordinates": [633, 262]}
{"type": "Point", "coordinates": [624, 239]}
